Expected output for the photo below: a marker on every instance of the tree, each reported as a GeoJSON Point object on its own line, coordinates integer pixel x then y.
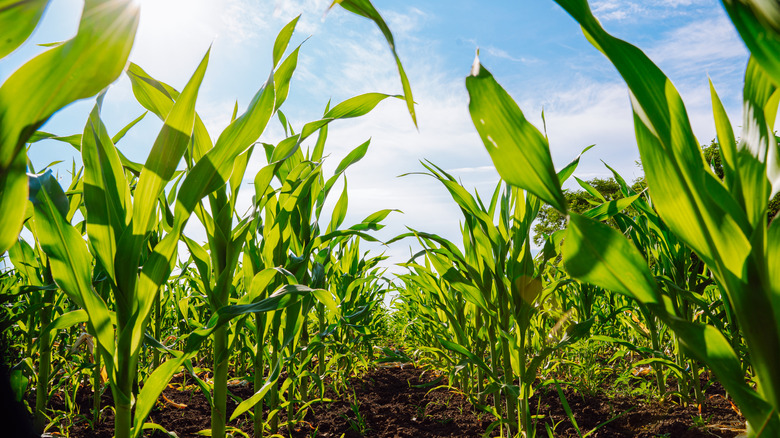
{"type": "Point", "coordinates": [550, 220]}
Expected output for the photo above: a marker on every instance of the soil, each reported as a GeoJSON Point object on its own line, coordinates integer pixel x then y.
{"type": "Point", "coordinates": [410, 402]}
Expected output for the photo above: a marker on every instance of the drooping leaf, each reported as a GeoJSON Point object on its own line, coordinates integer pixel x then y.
{"type": "Point", "coordinates": [364, 8]}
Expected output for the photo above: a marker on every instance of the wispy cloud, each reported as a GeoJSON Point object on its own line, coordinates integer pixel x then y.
{"type": "Point", "coordinates": [500, 53]}
{"type": "Point", "coordinates": [629, 10]}
{"type": "Point", "coordinates": [709, 44]}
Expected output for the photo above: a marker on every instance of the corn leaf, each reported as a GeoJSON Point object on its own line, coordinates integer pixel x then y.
{"type": "Point", "coordinates": [598, 254]}
{"type": "Point", "coordinates": [364, 8]}
{"type": "Point", "coordinates": [283, 39]}
{"type": "Point", "coordinates": [18, 19]}
{"type": "Point", "coordinates": [106, 193]}
{"type": "Point", "coordinates": [71, 263]}
{"type": "Point", "coordinates": [74, 70]}
{"type": "Point", "coordinates": [518, 150]}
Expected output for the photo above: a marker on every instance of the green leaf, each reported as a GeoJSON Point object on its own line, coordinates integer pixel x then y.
{"type": "Point", "coordinates": [600, 255]}
{"type": "Point", "coordinates": [257, 396]}
{"type": "Point", "coordinates": [106, 193]}
{"type": "Point", "coordinates": [71, 265]}
{"type": "Point", "coordinates": [153, 387]}
{"type": "Point", "coordinates": [518, 150]}
{"type": "Point", "coordinates": [25, 262]}
{"type": "Point", "coordinates": [168, 148]}
{"type": "Point", "coordinates": [74, 70]}
{"type": "Point", "coordinates": [353, 157]}
{"type": "Point", "coordinates": [18, 19]}
{"type": "Point", "coordinates": [18, 384]}
{"type": "Point", "coordinates": [728, 147]}
{"type": "Point", "coordinates": [283, 39]}
{"type": "Point", "coordinates": [364, 8]}
{"type": "Point", "coordinates": [339, 211]}
{"type": "Point", "coordinates": [67, 320]}
{"type": "Point", "coordinates": [356, 106]}
{"type": "Point", "coordinates": [282, 78]}
{"type": "Point", "coordinates": [758, 25]}
{"type": "Point", "coordinates": [611, 208]}
{"type": "Point", "coordinates": [567, 171]}
{"type": "Point", "coordinates": [680, 184]}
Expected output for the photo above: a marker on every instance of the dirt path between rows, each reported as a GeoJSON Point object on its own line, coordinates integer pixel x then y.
{"type": "Point", "coordinates": [409, 402]}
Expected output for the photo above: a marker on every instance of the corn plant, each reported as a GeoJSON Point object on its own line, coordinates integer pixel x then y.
{"type": "Point", "coordinates": [724, 223]}
{"type": "Point", "coordinates": [497, 281]}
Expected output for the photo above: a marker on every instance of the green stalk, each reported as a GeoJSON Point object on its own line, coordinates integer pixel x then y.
{"type": "Point", "coordinates": [321, 353]}
{"type": "Point", "coordinates": [157, 331]}
{"type": "Point", "coordinates": [218, 411]}
{"type": "Point", "coordinates": [44, 364]}
{"type": "Point", "coordinates": [259, 372]}
{"type": "Point", "coordinates": [96, 382]}
{"type": "Point", "coordinates": [273, 395]}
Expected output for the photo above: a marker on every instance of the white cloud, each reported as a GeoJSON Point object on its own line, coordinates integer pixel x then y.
{"type": "Point", "coordinates": [500, 53]}
{"type": "Point", "coordinates": [624, 10]}
{"type": "Point", "coordinates": [701, 45]}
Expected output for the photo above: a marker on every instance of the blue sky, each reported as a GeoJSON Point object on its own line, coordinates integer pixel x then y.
{"type": "Point", "coordinates": [533, 48]}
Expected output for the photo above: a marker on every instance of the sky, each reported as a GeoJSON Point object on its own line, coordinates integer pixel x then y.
{"type": "Point", "coordinates": [533, 48]}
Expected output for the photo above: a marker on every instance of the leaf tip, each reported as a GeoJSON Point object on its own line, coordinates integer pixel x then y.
{"type": "Point", "coordinates": [475, 66]}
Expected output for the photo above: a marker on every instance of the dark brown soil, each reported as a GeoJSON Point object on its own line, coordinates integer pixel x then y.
{"type": "Point", "coordinates": [406, 402]}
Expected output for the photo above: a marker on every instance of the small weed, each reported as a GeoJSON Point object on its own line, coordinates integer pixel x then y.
{"type": "Point", "coordinates": [700, 421]}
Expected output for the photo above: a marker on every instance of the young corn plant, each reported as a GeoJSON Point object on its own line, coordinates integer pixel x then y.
{"type": "Point", "coordinates": [497, 274]}
{"type": "Point", "coordinates": [723, 222]}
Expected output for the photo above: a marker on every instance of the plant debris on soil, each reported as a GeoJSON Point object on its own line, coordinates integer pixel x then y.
{"type": "Point", "coordinates": [411, 402]}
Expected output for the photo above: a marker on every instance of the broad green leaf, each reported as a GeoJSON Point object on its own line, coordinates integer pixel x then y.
{"type": "Point", "coordinates": [25, 262]}
{"type": "Point", "coordinates": [157, 97]}
{"type": "Point", "coordinates": [106, 193]}
{"type": "Point", "coordinates": [366, 9]}
{"type": "Point", "coordinates": [18, 19]}
{"type": "Point", "coordinates": [757, 153]}
{"type": "Point", "coordinates": [67, 320]}
{"type": "Point", "coordinates": [214, 168]}
{"type": "Point", "coordinates": [153, 387]}
{"type": "Point", "coordinates": [705, 343]}
{"type": "Point", "coordinates": [18, 383]}
{"type": "Point", "coordinates": [471, 356]}
{"type": "Point", "coordinates": [590, 189]}
{"type": "Point", "coordinates": [355, 106]}
{"type": "Point", "coordinates": [257, 396]}
{"type": "Point", "coordinates": [518, 150]}
{"type": "Point", "coordinates": [282, 78]}
{"type": "Point", "coordinates": [71, 264]}
{"type": "Point", "coordinates": [726, 143]}
{"type": "Point", "coordinates": [74, 70]}
{"type": "Point", "coordinates": [166, 153]}
{"type": "Point", "coordinates": [598, 254]}
{"type": "Point", "coordinates": [758, 23]}
{"type": "Point", "coordinates": [73, 140]}
{"type": "Point", "coordinates": [283, 39]}
{"type": "Point", "coordinates": [168, 148]}
{"type": "Point", "coordinates": [675, 171]}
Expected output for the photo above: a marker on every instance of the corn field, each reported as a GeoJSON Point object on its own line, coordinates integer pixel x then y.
{"type": "Point", "coordinates": [671, 282]}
